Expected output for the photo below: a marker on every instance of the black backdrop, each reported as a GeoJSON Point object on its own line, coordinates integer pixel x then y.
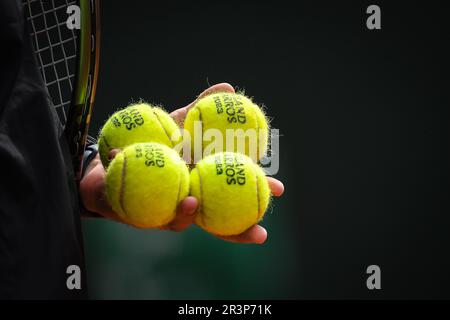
{"type": "Point", "coordinates": [362, 115]}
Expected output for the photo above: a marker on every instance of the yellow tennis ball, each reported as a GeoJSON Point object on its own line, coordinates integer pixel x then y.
{"type": "Point", "coordinates": [145, 183]}
{"type": "Point", "coordinates": [233, 193]}
{"type": "Point", "coordinates": [227, 122]}
{"type": "Point", "coordinates": [137, 123]}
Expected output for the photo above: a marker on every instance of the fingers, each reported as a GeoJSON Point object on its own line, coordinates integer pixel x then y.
{"type": "Point", "coordinates": [92, 193]}
{"type": "Point", "coordinates": [220, 87]}
{"type": "Point", "coordinates": [113, 153]}
{"type": "Point", "coordinates": [93, 164]}
{"type": "Point", "coordinates": [185, 215]}
{"type": "Point", "coordinates": [179, 114]}
{"type": "Point", "coordinates": [276, 186]}
{"type": "Point", "coordinates": [186, 210]}
{"type": "Point", "coordinates": [256, 235]}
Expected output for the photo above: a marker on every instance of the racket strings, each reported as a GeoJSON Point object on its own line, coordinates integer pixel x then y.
{"type": "Point", "coordinates": [55, 46]}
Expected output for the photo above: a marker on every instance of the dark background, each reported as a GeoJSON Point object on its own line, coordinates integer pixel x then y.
{"type": "Point", "coordinates": [364, 146]}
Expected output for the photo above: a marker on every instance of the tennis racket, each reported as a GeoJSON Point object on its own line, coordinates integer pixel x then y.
{"type": "Point", "coordinates": [67, 51]}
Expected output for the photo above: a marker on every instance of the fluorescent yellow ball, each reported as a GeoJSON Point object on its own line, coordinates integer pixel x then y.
{"type": "Point", "coordinates": [137, 123]}
{"type": "Point", "coordinates": [222, 111]}
{"type": "Point", "coordinates": [145, 183]}
{"type": "Point", "coordinates": [233, 193]}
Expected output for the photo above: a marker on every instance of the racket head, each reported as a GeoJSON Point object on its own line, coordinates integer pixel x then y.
{"type": "Point", "coordinates": [68, 55]}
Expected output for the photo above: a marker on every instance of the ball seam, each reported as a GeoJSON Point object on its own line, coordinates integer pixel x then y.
{"type": "Point", "coordinates": [106, 141]}
{"type": "Point", "coordinates": [201, 200]}
{"type": "Point", "coordinates": [122, 185]}
{"type": "Point", "coordinates": [179, 188]}
{"type": "Point", "coordinates": [258, 197]}
{"type": "Point", "coordinates": [164, 128]}
{"type": "Point", "coordinates": [200, 119]}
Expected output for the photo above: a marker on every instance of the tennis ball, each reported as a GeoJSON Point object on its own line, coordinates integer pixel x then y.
{"type": "Point", "coordinates": [145, 182]}
{"type": "Point", "coordinates": [233, 193]}
{"type": "Point", "coordinates": [240, 126]}
{"type": "Point", "coordinates": [137, 123]}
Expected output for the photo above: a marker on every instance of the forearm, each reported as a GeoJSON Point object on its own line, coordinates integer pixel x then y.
{"type": "Point", "coordinates": [85, 205]}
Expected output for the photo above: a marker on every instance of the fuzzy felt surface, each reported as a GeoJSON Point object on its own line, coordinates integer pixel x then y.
{"type": "Point", "coordinates": [145, 183]}
{"type": "Point", "coordinates": [233, 193]}
{"type": "Point", "coordinates": [235, 117]}
{"type": "Point", "coordinates": [137, 123]}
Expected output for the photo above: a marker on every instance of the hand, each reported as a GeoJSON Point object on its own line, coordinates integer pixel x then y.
{"type": "Point", "coordinates": [93, 184]}
{"type": "Point", "coordinates": [93, 190]}
{"type": "Point", "coordinates": [187, 208]}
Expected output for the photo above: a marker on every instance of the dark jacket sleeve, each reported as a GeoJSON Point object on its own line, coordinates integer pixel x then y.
{"type": "Point", "coordinates": [40, 233]}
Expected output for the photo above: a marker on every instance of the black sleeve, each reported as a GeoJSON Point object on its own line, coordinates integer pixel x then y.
{"type": "Point", "coordinates": [40, 229]}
